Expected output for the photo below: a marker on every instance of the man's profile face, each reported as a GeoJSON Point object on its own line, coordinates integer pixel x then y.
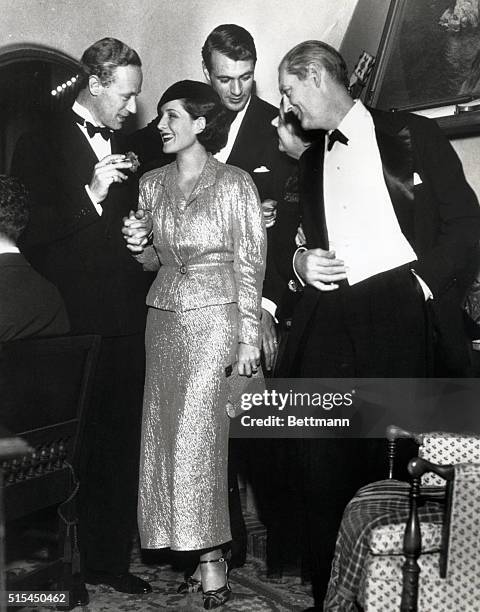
{"type": "Point", "coordinates": [114, 102]}
{"type": "Point", "coordinates": [231, 79]}
{"type": "Point", "coordinates": [288, 142]}
{"type": "Point", "coordinates": [301, 97]}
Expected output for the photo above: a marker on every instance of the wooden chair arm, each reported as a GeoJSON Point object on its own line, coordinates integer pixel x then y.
{"type": "Point", "coordinates": [393, 433]}
{"type": "Point", "coordinates": [417, 467]}
{"type": "Point", "coordinates": [412, 541]}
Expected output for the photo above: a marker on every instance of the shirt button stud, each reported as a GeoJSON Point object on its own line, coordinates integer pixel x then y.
{"type": "Point", "coordinates": [183, 269]}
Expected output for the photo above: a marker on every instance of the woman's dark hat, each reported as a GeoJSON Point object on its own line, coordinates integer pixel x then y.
{"type": "Point", "coordinates": [196, 91]}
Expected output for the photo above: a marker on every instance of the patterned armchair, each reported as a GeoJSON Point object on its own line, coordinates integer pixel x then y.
{"type": "Point", "coordinates": [414, 547]}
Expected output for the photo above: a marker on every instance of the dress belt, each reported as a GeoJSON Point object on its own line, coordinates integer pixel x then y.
{"type": "Point", "coordinates": [184, 268]}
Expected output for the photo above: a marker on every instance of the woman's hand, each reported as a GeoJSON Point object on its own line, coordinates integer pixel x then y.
{"type": "Point", "coordinates": [248, 358]}
{"type": "Point", "coordinates": [136, 229]}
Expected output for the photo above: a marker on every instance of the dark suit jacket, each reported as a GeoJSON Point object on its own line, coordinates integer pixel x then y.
{"type": "Point", "coordinates": [256, 146]}
{"type": "Point", "coordinates": [29, 304]}
{"type": "Point", "coordinates": [82, 253]}
{"type": "Point", "coordinates": [440, 217]}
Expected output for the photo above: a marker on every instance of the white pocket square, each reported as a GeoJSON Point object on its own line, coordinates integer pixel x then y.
{"type": "Point", "coordinates": [261, 169]}
{"type": "Point", "coordinates": [416, 179]}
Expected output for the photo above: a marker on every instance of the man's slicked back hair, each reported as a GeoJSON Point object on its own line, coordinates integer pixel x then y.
{"type": "Point", "coordinates": [231, 40]}
{"type": "Point", "coordinates": [103, 57]}
{"type": "Point", "coordinates": [297, 60]}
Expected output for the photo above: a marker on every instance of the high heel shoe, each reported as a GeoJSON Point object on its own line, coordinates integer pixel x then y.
{"type": "Point", "coordinates": [190, 585]}
{"type": "Point", "coordinates": [217, 597]}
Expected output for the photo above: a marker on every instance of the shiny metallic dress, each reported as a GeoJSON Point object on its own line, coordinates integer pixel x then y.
{"type": "Point", "coordinates": [205, 299]}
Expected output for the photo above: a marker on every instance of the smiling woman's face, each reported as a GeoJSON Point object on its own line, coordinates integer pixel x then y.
{"type": "Point", "coordinates": [177, 127]}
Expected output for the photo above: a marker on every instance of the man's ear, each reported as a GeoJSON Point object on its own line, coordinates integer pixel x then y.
{"type": "Point", "coordinates": [94, 85]}
{"type": "Point", "coordinates": [200, 124]}
{"type": "Point", "coordinates": [315, 72]}
{"type": "Point", "coordinates": [206, 73]}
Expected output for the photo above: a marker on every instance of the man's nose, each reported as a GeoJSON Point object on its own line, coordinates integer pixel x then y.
{"type": "Point", "coordinates": [236, 87]}
{"type": "Point", "coordinates": [287, 107]}
{"type": "Point", "coordinates": [132, 106]}
{"type": "Point", "coordinates": [274, 122]}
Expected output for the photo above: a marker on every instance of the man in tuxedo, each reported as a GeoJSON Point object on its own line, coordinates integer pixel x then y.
{"type": "Point", "coordinates": [390, 225]}
{"type": "Point", "coordinates": [229, 57]}
{"type": "Point", "coordinates": [82, 186]}
{"type": "Point", "coordinates": [29, 304]}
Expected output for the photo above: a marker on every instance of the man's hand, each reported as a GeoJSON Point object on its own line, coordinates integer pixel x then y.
{"type": "Point", "coordinates": [136, 229]}
{"type": "Point", "coordinates": [248, 357]}
{"type": "Point", "coordinates": [269, 212]}
{"type": "Point", "coordinates": [320, 268]}
{"type": "Point", "coordinates": [106, 172]}
{"type": "Point", "coordinates": [269, 338]}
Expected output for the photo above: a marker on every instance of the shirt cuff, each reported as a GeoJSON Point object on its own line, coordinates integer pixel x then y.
{"type": "Point", "coordinates": [425, 288]}
{"type": "Point", "coordinates": [93, 199]}
{"type": "Point", "coordinates": [299, 250]}
{"type": "Point", "coordinates": [270, 307]}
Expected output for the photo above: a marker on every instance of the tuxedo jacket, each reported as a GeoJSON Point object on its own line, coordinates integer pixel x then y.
{"type": "Point", "coordinates": [256, 148]}
{"type": "Point", "coordinates": [438, 214]}
{"type": "Point", "coordinates": [29, 304]}
{"type": "Point", "coordinates": [81, 252]}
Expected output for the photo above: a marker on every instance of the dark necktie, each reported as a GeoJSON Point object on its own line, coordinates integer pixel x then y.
{"type": "Point", "coordinates": [335, 136]}
{"type": "Point", "coordinates": [105, 132]}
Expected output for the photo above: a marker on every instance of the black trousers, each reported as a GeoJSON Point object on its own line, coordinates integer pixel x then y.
{"type": "Point", "coordinates": [377, 328]}
{"type": "Point", "coordinates": [110, 459]}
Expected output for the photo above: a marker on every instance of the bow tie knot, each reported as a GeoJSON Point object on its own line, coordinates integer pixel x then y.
{"type": "Point", "coordinates": [105, 132]}
{"type": "Point", "coordinates": [336, 136]}
{"type": "Point", "coordinates": [96, 129]}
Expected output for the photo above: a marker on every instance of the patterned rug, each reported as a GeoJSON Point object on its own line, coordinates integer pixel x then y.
{"type": "Point", "coordinates": [252, 592]}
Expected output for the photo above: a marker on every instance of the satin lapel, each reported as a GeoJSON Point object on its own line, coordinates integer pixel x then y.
{"type": "Point", "coordinates": [246, 140]}
{"type": "Point", "coordinates": [78, 156]}
{"type": "Point", "coordinates": [311, 196]}
{"type": "Point", "coordinates": [396, 151]}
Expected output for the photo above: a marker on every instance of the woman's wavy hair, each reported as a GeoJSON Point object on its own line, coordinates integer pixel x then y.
{"type": "Point", "coordinates": [200, 100]}
{"type": "Point", "coordinates": [217, 118]}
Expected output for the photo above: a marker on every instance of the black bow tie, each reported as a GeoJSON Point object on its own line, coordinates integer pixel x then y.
{"type": "Point", "coordinates": [335, 136]}
{"type": "Point", "coordinates": [105, 132]}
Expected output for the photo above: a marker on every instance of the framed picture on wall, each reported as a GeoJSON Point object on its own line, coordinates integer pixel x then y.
{"type": "Point", "coordinates": [429, 56]}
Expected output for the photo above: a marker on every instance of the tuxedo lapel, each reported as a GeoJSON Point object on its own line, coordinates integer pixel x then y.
{"type": "Point", "coordinates": [311, 197]}
{"type": "Point", "coordinates": [254, 133]}
{"type": "Point", "coordinates": [396, 151]}
{"type": "Point", "coordinates": [77, 154]}
{"type": "Point", "coordinates": [244, 142]}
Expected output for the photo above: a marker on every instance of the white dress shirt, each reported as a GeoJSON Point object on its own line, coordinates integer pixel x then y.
{"type": "Point", "coordinates": [100, 146]}
{"type": "Point", "coordinates": [224, 153]}
{"type": "Point", "coordinates": [363, 229]}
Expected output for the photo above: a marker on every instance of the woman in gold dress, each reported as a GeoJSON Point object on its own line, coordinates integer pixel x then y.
{"type": "Point", "coordinates": [209, 249]}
